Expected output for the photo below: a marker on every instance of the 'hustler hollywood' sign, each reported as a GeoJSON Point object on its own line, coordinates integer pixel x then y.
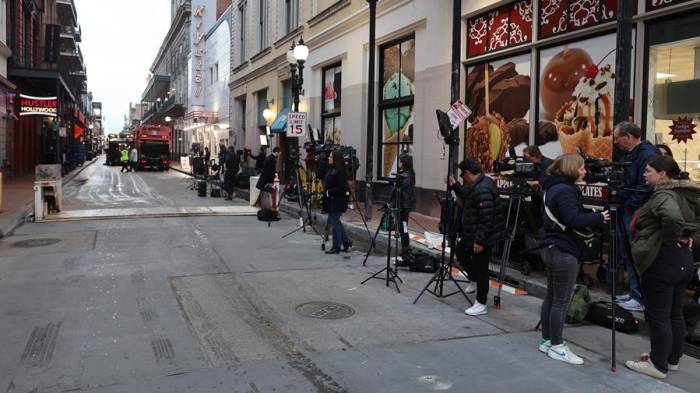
{"type": "Point", "coordinates": [37, 106]}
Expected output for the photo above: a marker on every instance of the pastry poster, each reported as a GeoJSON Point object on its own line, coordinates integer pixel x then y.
{"type": "Point", "coordinates": [576, 98]}
{"type": "Point", "coordinates": [499, 95]}
{"type": "Point", "coordinates": [398, 75]}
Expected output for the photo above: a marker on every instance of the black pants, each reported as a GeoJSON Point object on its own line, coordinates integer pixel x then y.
{"type": "Point", "coordinates": [403, 228]}
{"type": "Point", "coordinates": [562, 269]}
{"type": "Point", "coordinates": [477, 267]}
{"type": "Point", "coordinates": [125, 166]}
{"type": "Point", "coordinates": [663, 294]}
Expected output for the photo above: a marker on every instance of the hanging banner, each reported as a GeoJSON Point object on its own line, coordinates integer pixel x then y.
{"type": "Point", "coordinates": [37, 106]}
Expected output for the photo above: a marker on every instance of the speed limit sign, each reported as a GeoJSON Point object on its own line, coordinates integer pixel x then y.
{"type": "Point", "coordinates": [296, 124]}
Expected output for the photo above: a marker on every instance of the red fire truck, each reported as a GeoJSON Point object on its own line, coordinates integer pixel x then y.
{"type": "Point", "coordinates": [154, 146]}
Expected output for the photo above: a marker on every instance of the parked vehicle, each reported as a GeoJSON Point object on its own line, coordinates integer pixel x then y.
{"type": "Point", "coordinates": [153, 144]}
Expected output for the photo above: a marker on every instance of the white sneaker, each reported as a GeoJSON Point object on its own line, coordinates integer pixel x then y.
{"type": "Point", "coordinates": [563, 353]}
{"type": "Point", "coordinates": [622, 298]}
{"type": "Point", "coordinates": [476, 309]}
{"type": "Point", "coordinates": [545, 345]}
{"type": "Point", "coordinates": [645, 367]}
{"type": "Point", "coordinates": [631, 305]}
{"type": "Point", "coordinates": [470, 288]}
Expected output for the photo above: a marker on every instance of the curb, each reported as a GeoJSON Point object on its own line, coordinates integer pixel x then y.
{"type": "Point", "coordinates": [27, 210]}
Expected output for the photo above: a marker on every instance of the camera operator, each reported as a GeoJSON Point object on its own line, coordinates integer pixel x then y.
{"type": "Point", "coordinates": [534, 155]}
{"type": "Point", "coordinates": [482, 223]}
{"type": "Point", "coordinates": [664, 232]}
{"type": "Point", "coordinates": [563, 215]}
{"type": "Point", "coordinates": [406, 179]}
{"type": "Point", "coordinates": [638, 153]}
{"type": "Point", "coordinates": [267, 178]}
{"type": "Point", "coordinates": [231, 161]}
{"type": "Point", "coordinates": [259, 159]}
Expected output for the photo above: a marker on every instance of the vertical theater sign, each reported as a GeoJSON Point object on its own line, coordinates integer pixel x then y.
{"type": "Point", "coordinates": [198, 42]}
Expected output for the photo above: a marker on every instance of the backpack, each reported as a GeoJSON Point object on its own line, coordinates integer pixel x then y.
{"type": "Point", "coordinates": [600, 313]}
{"type": "Point", "coordinates": [423, 263]}
{"type": "Point", "coordinates": [268, 215]}
{"type": "Point", "coordinates": [579, 305]}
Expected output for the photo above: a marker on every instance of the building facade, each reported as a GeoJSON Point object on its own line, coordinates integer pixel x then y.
{"type": "Point", "coordinates": [527, 68]}
{"type": "Point", "coordinates": [51, 95]}
{"type": "Point", "coordinates": [7, 88]}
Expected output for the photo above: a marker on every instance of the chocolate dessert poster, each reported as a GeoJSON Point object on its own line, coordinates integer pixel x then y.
{"type": "Point", "coordinates": [498, 93]}
{"type": "Point", "coordinates": [576, 98]}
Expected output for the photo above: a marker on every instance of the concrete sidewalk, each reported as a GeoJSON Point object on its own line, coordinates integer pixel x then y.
{"type": "Point", "coordinates": [18, 199]}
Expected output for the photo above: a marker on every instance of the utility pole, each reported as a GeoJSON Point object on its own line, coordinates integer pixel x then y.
{"type": "Point", "coordinates": [623, 61]}
{"type": "Point", "coordinates": [454, 87]}
{"type": "Point", "coordinates": [369, 164]}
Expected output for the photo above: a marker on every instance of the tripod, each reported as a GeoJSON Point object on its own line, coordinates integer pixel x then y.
{"type": "Point", "coordinates": [391, 272]}
{"type": "Point", "coordinates": [615, 218]}
{"type": "Point", "coordinates": [304, 205]}
{"type": "Point", "coordinates": [444, 272]}
{"type": "Point", "coordinates": [514, 205]}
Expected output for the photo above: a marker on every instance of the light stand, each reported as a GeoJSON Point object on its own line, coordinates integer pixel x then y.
{"type": "Point", "coordinates": [444, 272]}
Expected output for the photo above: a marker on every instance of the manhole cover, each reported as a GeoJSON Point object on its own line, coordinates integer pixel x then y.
{"type": "Point", "coordinates": [435, 382]}
{"type": "Point", "coordinates": [36, 243]}
{"type": "Point", "coordinates": [325, 310]}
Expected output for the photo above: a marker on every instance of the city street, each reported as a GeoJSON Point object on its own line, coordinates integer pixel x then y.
{"type": "Point", "coordinates": [205, 304]}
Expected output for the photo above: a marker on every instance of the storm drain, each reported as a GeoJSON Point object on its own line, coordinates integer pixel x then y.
{"type": "Point", "coordinates": [325, 310]}
{"type": "Point", "coordinates": [32, 243]}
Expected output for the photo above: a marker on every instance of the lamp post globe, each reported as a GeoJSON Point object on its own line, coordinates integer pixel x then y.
{"type": "Point", "coordinates": [301, 51]}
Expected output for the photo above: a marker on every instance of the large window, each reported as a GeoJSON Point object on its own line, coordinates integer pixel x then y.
{"type": "Point", "coordinates": [561, 16]}
{"type": "Point", "coordinates": [241, 16]}
{"type": "Point", "coordinates": [673, 80]}
{"type": "Point", "coordinates": [261, 104]}
{"type": "Point", "coordinates": [330, 114]}
{"type": "Point", "coordinates": [506, 84]}
{"type": "Point", "coordinates": [262, 25]}
{"type": "Point", "coordinates": [397, 67]}
{"type": "Point", "coordinates": [291, 15]}
{"type": "Point", "coordinates": [501, 28]}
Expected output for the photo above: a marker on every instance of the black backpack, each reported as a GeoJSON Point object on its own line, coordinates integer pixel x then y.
{"type": "Point", "coordinates": [268, 215]}
{"type": "Point", "coordinates": [423, 263]}
{"type": "Point", "coordinates": [600, 313]}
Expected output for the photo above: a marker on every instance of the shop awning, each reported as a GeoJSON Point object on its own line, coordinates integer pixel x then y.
{"type": "Point", "coordinates": [279, 126]}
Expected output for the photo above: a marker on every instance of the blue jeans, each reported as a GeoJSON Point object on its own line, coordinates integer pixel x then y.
{"type": "Point", "coordinates": [632, 277]}
{"type": "Point", "coordinates": [339, 236]}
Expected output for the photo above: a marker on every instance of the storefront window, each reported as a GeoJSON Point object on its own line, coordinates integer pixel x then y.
{"type": "Point", "coordinates": [673, 110]}
{"type": "Point", "coordinates": [397, 65]}
{"type": "Point", "coordinates": [507, 26]}
{"type": "Point", "coordinates": [332, 82]}
{"type": "Point", "coordinates": [576, 98]}
{"type": "Point", "coordinates": [501, 89]}
{"type": "Point", "coordinates": [561, 16]}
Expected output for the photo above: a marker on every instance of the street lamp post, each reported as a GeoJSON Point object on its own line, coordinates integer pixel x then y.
{"type": "Point", "coordinates": [296, 57]}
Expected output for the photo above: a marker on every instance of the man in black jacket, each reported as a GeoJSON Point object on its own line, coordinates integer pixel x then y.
{"type": "Point", "coordinates": [231, 161]}
{"type": "Point", "coordinates": [534, 155]}
{"type": "Point", "coordinates": [483, 225]}
{"type": "Point", "coordinates": [267, 178]}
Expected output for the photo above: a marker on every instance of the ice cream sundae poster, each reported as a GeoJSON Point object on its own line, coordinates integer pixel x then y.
{"type": "Point", "coordinates": [576, 98]}
{"type": "Point", "coordinates": [498, 93]}
{"type": "Point", "coordinates": [398, 75]}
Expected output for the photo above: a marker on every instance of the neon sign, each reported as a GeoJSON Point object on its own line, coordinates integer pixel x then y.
{"type": "Point", "coordinates": [37, 106]}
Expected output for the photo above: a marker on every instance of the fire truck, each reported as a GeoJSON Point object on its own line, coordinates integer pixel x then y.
{"type": "Point", "coordinates": [154, 146]}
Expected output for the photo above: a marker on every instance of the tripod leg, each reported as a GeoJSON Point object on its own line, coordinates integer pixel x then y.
{"type": "Point", "coordinates": [371, 245]}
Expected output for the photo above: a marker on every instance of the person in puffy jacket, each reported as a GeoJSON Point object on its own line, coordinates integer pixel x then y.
{"type": "Point", "coordinates": [336, 183]}
{"type": "Point", "coordinates": [563, 215]}
{"type": "Point", "coordinates": [664, 231]}
{"type": "Point", "coordinates": [482, 224]}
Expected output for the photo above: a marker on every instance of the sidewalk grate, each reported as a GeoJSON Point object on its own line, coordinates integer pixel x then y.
{"type": "Point", "coordinates": [325, 310]}
{"type": "Point", "coordinates": [33, 243]}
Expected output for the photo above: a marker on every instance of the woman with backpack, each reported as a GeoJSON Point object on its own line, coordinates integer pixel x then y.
{"type": "Point", "coordinates": [563, 219]}
{"type": "Point", "coordinates": [336, 203]}
{"type": "Point", "coordinates": [664, 230]}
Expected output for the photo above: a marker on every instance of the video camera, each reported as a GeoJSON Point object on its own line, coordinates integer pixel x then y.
{"type": "Point", "coordinates": [603, 171]}
{"type": "Point", "coordinates": [517, 165]}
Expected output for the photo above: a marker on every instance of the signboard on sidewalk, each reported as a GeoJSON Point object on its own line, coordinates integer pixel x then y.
{"type": "Point", "coordinates": [185, 163]}
{"type": "Point", "coordinates": [296, 124]}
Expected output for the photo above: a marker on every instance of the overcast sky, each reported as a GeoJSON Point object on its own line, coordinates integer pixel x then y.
{"type": "Point", "coordinates": [120, 41]}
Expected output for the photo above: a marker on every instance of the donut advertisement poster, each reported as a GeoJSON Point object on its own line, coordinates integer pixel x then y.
{"type": "Point", "coordinates": [498, 93]}
{"type": "Point", "coordinates": [576, 98]}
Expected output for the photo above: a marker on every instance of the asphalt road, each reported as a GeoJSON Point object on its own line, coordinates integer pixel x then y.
{"type": "Point", "coordinates": [211, 304]}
